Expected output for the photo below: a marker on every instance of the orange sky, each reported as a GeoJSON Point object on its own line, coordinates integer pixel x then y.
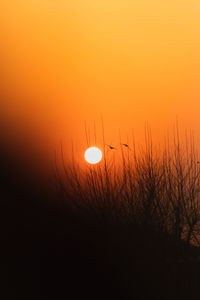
{"type": "Point", "coordinates": [66, 62]}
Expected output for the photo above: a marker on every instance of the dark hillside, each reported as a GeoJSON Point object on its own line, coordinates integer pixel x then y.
{"type": "Point", "coordinates": [52, 251]}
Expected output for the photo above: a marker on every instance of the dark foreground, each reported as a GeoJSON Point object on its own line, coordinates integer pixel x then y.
{"type": "Point", "coordinates": [50, 253]}
{"type": "Point", "coordinates": [47, 260]}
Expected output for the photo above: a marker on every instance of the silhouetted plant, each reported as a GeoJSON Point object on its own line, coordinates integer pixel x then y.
{"type": "Point", "coordinates": [158, 190]}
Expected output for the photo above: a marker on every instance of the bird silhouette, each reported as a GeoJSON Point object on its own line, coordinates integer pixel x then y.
{"type": "Point", "coordinates": [125, 145]}
{"type": "Point", "coordinates": [111, 147]}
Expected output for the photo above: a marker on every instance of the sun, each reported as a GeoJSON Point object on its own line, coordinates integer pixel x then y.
{"type": "Point", "coordinates": [93, 155]}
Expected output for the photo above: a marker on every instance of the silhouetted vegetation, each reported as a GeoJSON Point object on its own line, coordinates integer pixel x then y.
{"type": "Point", "coordinates": [154, 189]}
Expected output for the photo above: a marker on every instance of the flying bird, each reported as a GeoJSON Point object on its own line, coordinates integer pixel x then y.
{"type": "Point", "coordinates": [111, 147]}
{"type": "Point", "coordinates": [126, 145]}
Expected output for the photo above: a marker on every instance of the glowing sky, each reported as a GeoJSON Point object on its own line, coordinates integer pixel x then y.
{"type": "Point", "coordinates": [66, 62]}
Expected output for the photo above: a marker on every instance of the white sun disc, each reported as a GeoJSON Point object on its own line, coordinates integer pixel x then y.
{"type": "Point", "coordinates": [93, 155]}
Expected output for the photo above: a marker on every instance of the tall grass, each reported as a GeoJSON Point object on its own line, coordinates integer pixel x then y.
{"type": "Point", "coordinates": [156, 189]}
